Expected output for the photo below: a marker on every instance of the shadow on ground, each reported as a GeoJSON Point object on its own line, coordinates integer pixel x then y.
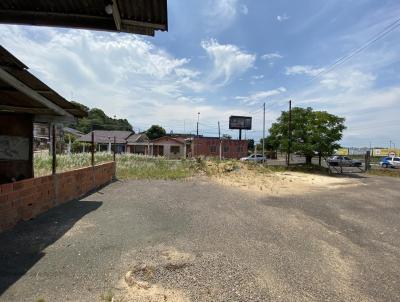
{"type": "Point", "coordinates": [22, 246]}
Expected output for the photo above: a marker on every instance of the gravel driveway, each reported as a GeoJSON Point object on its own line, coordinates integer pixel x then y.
{"type": "Point", "coordinates": [199, 241]}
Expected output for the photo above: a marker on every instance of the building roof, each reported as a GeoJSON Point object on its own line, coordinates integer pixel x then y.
{"type": "Point", "coordinates": [133, 16]}
{"type": "Point", "coordinates": [106, 136]}
{"type": "Point", "coordinates": [72, 131]}
{"type": "Point", "coordinates": [185, 135]}
{"type": "Point", "coordinates": [22, 92]}
{"type": "Point", "coordinates": [137, 138]}
{"type": "Point", "coordinates": [166, 138]}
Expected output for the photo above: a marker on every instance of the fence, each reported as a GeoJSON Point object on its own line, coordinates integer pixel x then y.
{"type": "Point", "coordinates": [25, 199]}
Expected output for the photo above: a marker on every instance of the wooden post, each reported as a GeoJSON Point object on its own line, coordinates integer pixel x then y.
{"type": "Point", "coordinates": [289, 133]}
{"type": "Point", "coordinates": [92, 149]}
{"type": "Point", "coordinates": [53, 150]}
{"type": "Point", "coordinates": [114, 148]}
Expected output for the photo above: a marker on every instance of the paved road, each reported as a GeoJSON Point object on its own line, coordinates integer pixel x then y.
{"type": "Point", "coordinates": [340, 245]}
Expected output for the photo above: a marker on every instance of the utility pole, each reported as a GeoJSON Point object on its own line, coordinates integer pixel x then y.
{"type": "Point", "coordinates": [290, 133]}
{"type": "Point", "coordinates": [263, 141]}
{"type": "Point", "coordinates": [198, 117]}
{"type": "Point", "coordinates": [390, 144]}
{"type": "Point", "coordinates": [53, 150]}
{"type": "Point", "coordinates": [220, 142]}
{"type": "Point", "coordinates": [197, 134]}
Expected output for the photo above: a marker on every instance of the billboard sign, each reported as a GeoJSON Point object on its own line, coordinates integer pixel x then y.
{"type": "Point", "coordinates": [342, 151]}
{"type": "Point", "coordinates": [240, 122]}
{"type": "Point", "coordinates": [385, 152]}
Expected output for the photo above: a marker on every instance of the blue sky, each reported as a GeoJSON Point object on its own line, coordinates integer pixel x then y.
{"type": "Point", "coordinates": [225, 57]}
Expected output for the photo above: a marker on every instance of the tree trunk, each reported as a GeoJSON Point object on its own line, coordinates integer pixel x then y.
{"type": "Point", "coordinates": [308, 159]}
{"type": "Point", "coordinates": [319, 159]}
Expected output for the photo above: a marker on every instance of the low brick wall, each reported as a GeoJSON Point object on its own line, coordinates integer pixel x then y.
{"type": "Point", "coordinates": [28, 198]}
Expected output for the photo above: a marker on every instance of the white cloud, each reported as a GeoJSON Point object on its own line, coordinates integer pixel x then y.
{"type": "Point", "coordinates": [124, 75]}
{"type": "Point", "coordinates": [271, 56]}
{"type": "Point", "coordinates": [258, 96]}
{"type": "Point", "coordinates": [228, 61]}
{"type": "Point", "coordinates": [258, 77]}
{"type": "Point", "coordinates": [349, 78]}
{"type": "Point", "coordinates": [220, 14]}
{"type": "Point", "coordinates": [303, 69]}
{"type": "Point", "coordinates": [244, 9]}
{"type": "Point", "coordinates": [282, 18]}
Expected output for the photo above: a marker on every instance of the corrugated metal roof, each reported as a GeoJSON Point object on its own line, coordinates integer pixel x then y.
{"type": "Point", "coordinates": [137, 138]}
{"type": "Point", "coordinates": [106, 136]}
{"type": "Point", "coordinates": [138, 16]}
{"type": "Point", "coordinates": [13, 100]}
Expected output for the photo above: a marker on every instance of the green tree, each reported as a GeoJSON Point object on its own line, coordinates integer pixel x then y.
{"type": "Point", "coordinates": [98, 120]}
{"type": "Point", "coordinates": [155, 131]}
{"type": "Point", "coordinates": [250, 145]}
{"type": "Point", "coordinates": [313, 132]}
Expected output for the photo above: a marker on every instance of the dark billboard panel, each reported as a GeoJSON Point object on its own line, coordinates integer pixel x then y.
{"type": "Point", "coordinates": [240, 122]}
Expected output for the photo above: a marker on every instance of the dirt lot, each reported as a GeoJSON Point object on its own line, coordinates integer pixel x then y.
{"type": "Point", "coordinates": [312, 239]}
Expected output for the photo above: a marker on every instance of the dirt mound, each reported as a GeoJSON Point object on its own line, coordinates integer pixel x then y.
{"type": "Point", "coordinates": [259, 179]}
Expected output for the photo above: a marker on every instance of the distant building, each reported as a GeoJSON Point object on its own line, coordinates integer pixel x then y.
{"type": "Point", "coordinates": [71, 131]}
{"type": "Point", "coordinates": [103, 139]}
{"type": "Point", "coordinates": [210, 146]}
{"type": "Point", "coordinates": [41, 136]}
{"type": "Point", "coordinates": [170, 147]}
{"type": "Point", "coordinates": [138, 144]}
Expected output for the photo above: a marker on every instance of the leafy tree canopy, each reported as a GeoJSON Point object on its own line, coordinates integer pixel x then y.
{"type": "Point", "coordinates": [98, 120]}
{"type": "Point", "coordinates": [313, 132]}
{"type": "Point", "coordinates": [250, 144]}
{"type": "Point", "coordinates": [155, 131]}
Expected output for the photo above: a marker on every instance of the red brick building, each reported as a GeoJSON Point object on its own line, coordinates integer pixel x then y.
{"type": "Point", "coordinates": [209, 146]}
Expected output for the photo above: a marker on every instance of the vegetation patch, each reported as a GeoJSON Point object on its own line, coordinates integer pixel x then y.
{"type": "Point", "coordinates": [129, 166]}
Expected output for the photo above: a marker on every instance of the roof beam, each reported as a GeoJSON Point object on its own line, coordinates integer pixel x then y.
{"type": "Point", "coordinates": [33, 110]}
{"type": "Point", "coordinates": [77, 20]}
{"type": "Point", "coordinates": [144, 24]}
{"type": "Point", "coordinates": [116, 15]}
{"type": "Point", "coordinates": [17, 84]}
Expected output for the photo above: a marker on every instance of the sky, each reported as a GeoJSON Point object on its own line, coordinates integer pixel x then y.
{"type": "Point", "coordinates": [228, 57]}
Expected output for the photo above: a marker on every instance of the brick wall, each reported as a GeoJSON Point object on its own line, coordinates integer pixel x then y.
{"type": "Point", "coordinates": [231, 148]}
{"type": "Point", "coordinates": [28, 198]}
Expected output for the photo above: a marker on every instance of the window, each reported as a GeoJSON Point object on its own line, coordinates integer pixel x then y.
{"type": "Point", "coordinates": [396, 159]}
{"type": "Point", "coordinates": [175, 149]}
{"type": "Point", "coordinates": [213, 149]}
{"type": "Point", "coordinates": [239, 149]}
{"type": "Point", "coordinates": [226, 149]}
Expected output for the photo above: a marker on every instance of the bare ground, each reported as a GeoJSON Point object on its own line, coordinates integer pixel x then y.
{"type": "Point", "coordinates": [311, 238]}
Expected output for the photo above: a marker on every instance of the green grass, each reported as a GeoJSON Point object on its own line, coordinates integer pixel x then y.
{"type": "Point", "coordinates": [141, 167]}
{"type": "Point", "coordinates": [129, 166]}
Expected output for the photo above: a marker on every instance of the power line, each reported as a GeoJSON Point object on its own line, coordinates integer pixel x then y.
{"type": "Point", "coordinates": [388, 29]}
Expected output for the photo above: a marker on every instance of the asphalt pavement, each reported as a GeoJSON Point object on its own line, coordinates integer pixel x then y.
{"type": "Point", "coordinates": [337, 245]}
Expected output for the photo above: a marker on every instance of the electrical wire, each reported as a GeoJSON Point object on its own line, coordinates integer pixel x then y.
{"type": "Point", "coordinates": [388, 29]}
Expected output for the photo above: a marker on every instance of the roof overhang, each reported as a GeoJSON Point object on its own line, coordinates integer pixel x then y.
{"type": "Point", "coordinates": [22, 92]}
{"type": "Point", "coordinates": [139, 16]}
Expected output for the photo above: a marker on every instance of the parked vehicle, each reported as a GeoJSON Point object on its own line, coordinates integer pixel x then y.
{"type": "Point", "coordinates": [257, 158]}
{"type": "Point", "coordinates": [390, 162]}
{"type": "Point", "coordinates": [343, 161]}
